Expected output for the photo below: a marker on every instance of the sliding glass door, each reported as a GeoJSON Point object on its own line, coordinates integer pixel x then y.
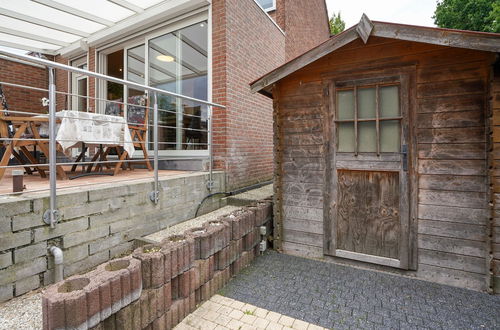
{"type": "Point", "coordinates": [176, 61]}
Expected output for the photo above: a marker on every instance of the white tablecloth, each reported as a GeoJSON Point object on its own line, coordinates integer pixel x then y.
{"type": "Point", "coordinates": [93, 129]}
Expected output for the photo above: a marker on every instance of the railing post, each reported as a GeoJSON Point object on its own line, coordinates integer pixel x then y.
{"type": "Point", "coordinates": [51, 215]}
{"type": "Point", "coordinates": [210, 183]}
{"type": "Point", "coordinates": [155, 195]}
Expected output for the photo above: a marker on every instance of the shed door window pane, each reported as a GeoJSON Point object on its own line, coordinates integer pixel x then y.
{"type": "Point", "coordinates": [346, 137]}
{"type": "Point", "coordinates": [390, 136]}
{"type": "Point", "coordinates": [367, 136]}
{"type": "Point", "coordinates": [345, 105]}
{"type": "Point", "coordinates": [389, 101]}
{"type": "Point", "coordinates": [366, 103]}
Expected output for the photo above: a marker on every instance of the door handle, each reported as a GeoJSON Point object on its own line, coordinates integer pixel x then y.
{"type": "Point", "coordinates": [404, 152]}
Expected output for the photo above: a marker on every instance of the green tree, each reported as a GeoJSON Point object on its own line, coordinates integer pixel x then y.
{"type": "Point", "coordinates": [475, 15]}
{"type": "Point", "coordinates": [337, 25]}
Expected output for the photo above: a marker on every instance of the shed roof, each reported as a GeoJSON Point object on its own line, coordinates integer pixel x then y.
{"type": "Point", "coordinates": [483, 41]}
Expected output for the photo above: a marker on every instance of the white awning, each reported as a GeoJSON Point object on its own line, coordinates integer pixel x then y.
{"type": "Point", "coordinates": [65, 26]}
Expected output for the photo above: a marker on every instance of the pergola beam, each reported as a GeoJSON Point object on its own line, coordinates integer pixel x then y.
{"type": "Point", "coordinates": [32, 36]}
{"type": "Point", "coordinates": [127, 5]}
{"type": "Point", "coordinates": [73, 11]}
{"type": "Point", "coordinates": [47, 24]}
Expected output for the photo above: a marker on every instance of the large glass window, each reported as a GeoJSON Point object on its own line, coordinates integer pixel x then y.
{"type": "Point", "coordinates": [178, 63]}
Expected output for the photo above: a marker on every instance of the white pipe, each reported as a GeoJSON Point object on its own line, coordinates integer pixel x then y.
{"type": "Point", "coordinates": [58, 261]}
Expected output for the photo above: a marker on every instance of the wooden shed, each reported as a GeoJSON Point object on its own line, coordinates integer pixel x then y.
{"type": "Point", "coordinates": [387, 152]}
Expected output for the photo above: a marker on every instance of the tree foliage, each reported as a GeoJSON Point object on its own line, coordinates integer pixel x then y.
{"type": "Point", "coordinates": [337, 25]}
{"type": "Point", "coordinates": [475, 15]}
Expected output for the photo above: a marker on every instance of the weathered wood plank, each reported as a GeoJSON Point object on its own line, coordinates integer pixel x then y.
{"type": "Point", "coordinates": [368, 157]}
{"type": "Point", "coordinates": [451, 119]}
{"type": "Point", "coordinates": [302, 250]}
{"type": "Point", "coordinates": [452, 151]}
{"type": "Point", "coordinates": [457, 71]}
{"type": "Point", "coordinates": [304, 176]}
{"type": "Point", "coordinates": [302, 164]}
{"type": "Point", "coordinates": [303, 151]}
{"type": "Point", "coordinates": [452, 230]}
{"type": "Point", "coordinates": [453, 214]}
{"type": "Point", "coordinates": [466, 102]}
{"type": "Point", "coordinates": [303, 126]}
{"type": "Point", "coordinates": [298, 88]}
{"type": "Point", "coordinates": [453, 87]}
{"type": "Point", "coordinates": [301, 114]}
{"type": "Point", "coordinates": [451, 135]}
{"type": "Point", "coordinates": [451, 260]}
{"type": "Point", "coordinates": [452, 245]}
{"type": "Point", "coordinates": [315, 227]}
{"type": "Point", "coordinates": [454, 167]}
{"type": "Point", "coordinates": [368, 165]}
{"type": "Point", "coordinates": [453, 182]}
{"type": "Point", "coordinates": [309, 189]}
{"type": "Point", "coordinates": [453, 198]}
{"type": "Point", "coordinates": [302, 237]}
{"type": "Point", "coordinates": [452, 277]}
{"type": "Point", "coordinates": [304, 213]}
{"type": "Point", "coordinates": [303, 139]}
{"type": "Point", "coordinates": [302, 101]}
{"type": "Point", "coordinates": [303, 200]}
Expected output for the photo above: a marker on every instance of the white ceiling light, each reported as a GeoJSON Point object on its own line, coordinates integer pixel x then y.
{"type": "Point", "coordinates": [165, 58]}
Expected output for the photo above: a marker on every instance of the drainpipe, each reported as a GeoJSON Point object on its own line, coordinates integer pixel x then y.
{"type": "Point", "coordinates": [58, 261]}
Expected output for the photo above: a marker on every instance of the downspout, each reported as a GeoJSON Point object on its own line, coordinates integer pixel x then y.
{"type": "Point", "coordinates": [58, 262]}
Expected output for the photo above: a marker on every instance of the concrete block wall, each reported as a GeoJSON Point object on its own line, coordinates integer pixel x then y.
{"type": "Point", "coordinates": [158, 285]}
{"type": "Point", "coordinates": [97, 224]}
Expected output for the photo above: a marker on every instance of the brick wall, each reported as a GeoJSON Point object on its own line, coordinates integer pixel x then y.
{"type": "Point", "coordinates": [96, 225]}
{"type": "Point", "coordinates": [249, 46]}
{"type": "Point", "coordinates": [305, 24]}
{"type": "Point", "coordinates": [21, 99]}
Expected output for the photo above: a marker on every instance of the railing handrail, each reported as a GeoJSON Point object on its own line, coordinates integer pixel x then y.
{"type": "Point", "coordinates": [52, 64]}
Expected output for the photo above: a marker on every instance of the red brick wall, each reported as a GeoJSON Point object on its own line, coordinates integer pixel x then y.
{"type": "Point", "coordinates": [305, 24]}
{"type": "Point", "coordinates": [21, 99]}
{"type": "Point", "coordinates": [254, 46]}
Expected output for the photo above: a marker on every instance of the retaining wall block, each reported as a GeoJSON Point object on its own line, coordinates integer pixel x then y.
{"type": "Point", "coordinates": [192, 302]}
{"type": "Point", "coordinates": [264, 212]}
{"type": "Point", "coordinates": [197, 234]}
{"type": "Point", "coordinates": [184, 284]}
{"type": "Point", "coordinates": [211, 267]}
{"type": "Point", "coordinates": [194, 279]}
{"type": "Point", "coordinates": [167, 267]}
{"type": "Point", "coordinates": [152, 265]}
{"type": "Point", "coordinates": [168, 319]}
{"type": "Point", "coordinates": [159, 323]}
{"type": "Point", "coordinates": [167, 288]}
{"type": "Point", "coordinates": [175, 288]}
{"type": "Point", "coordinates": [184, 246]}
{"type": "Point", "coordinates": [160, 301]}
{"type": "Point", "coordinates": [145, 309]}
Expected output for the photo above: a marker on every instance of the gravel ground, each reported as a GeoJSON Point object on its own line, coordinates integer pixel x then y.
{"type": "Point", "coordinates": [22, 313]}
{"type": "Point", "coordinates": [196, 222]}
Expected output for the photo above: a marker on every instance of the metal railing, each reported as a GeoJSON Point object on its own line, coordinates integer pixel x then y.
{"type": "Point", "coordinates": [51, 215]}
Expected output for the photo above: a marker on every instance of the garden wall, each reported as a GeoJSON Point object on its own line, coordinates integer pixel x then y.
{"type": "Point", "coordinates": [158, 285]}
{"type": "Point", "coordinates": [97, 223]}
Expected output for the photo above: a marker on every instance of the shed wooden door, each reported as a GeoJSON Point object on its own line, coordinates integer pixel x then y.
{"type": "Point", "coordinates": [369, 204]}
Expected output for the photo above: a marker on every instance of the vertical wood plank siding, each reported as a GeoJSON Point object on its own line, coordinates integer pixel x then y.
{"type": "Point", "coordinates": [495, 181]}
{"type": "Point", "coordinates": [450, 111]}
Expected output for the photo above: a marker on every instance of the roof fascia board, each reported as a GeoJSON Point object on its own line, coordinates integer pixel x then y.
{"type": "Point", "coordinates": [152, 16]}
{"type": "Point", "coordinates": [437, 37]}
{"type": "Point", "coordinates": [301, 61]}
{"type": "Point", "coordinates": [127, 5]}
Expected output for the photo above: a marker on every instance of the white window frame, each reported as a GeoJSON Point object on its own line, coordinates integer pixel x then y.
{"type": "Point", "coordinates": [127, 43]}
{"type": "Point", "coordinates": [267, 10]}
{"type": "Point", "coordinates": [75, 77]}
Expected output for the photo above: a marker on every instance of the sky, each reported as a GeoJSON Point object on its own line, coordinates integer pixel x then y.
{"type": "Point", "coordinates": [414, 12]}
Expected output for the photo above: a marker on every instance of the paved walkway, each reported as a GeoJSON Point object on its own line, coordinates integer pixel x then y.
{"type": "Point", "coordinates": [341, 297]}
{"type": "Point", "coordinates": [220, 313]}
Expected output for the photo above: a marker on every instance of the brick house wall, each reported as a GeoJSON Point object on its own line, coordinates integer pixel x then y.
{"type": "Point", "coordinates": [21, 99]}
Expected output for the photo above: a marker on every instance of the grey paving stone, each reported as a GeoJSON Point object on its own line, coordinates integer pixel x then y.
{"type": "Point", "coordinates": [341, 297]}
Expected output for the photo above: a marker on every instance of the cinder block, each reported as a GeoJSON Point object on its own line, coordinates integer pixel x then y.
{"type": "Point", "coordinates": [174, 283]}
{"type": "Point", "coordinates": [6, 292]}
{"type": "Point", "coordinates": [192, 302]}
{"type": "Point", "coordinates": [6, 259]}
{"type": "Point", "coordinates": [145, 309]}
{"type": "Point", "coordinates": [168, 320]}
{"type": "Point", "coordinates": [15, 206]}
{"type": "Point", "coordinates": [22, 270]}
{"type": "Point", "coordinates": [105, 243]}
{"type": "Point", "coordinates": [167, 264]}
{"type": "Point", "coordinates": [12, 240]}
{"type": "Point", "coordinates": [160, 301]}
{"type": "Point", "coordinates": [62, 228]}
{"type": "Point", "coordinates": [29, 252]}
{"type": "Point", "coordinates": [27, 284]}
{"type": "Point", "coordinates": [80, 237]}
{"type": "Point", "coordinates": [211, 267]}
{"type": "Point", "coordinates": [159, 323]}
{"type": "Point", "coordinates": [153, 304]}
{"type": "Point", "coordinates": [136, 313]}
{"type": "Point", "coordinates": [175, 312]}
